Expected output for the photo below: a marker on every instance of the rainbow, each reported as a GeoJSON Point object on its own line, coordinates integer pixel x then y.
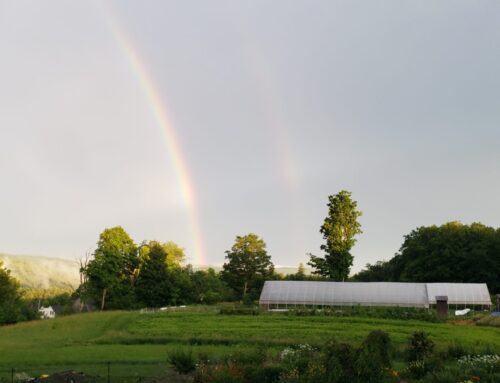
{"type": "Point", "coordinates": [170, 137]}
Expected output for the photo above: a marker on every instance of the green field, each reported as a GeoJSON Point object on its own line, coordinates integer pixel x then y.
{"type": "Point", "coordinates": [137, 344]}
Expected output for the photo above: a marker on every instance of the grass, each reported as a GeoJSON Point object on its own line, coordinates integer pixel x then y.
{"type": "Point", "coordinates": [138, 344]}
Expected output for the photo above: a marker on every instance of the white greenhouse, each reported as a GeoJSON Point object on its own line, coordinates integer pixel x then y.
{"type": "Point", "coordinates": [285, 294]}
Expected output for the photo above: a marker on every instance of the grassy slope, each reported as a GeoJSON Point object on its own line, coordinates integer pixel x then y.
{"type": "Point", "coordinates": [86, 340]}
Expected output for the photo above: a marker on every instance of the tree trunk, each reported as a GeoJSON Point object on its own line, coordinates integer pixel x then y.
{"type": "Point", "coordinates": [103, 300]}
{"type": "Point", "coordinates": [245, 289]}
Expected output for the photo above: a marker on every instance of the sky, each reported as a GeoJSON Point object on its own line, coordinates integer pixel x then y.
{"type": "Point", "coordinates": [197, 121]}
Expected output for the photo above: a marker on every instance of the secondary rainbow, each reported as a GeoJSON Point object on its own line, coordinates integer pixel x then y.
{"type": "Point", "coordinates": [170, 137]}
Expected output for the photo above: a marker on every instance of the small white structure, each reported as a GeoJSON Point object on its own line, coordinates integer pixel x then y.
{"type": "Point", "coordinates": [47, 313]}
{"type": "Point", "coordinates": [462, 312]}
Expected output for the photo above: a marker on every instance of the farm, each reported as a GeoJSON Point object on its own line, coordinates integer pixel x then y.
{"type": "Point", "coordinates": [136, 345]}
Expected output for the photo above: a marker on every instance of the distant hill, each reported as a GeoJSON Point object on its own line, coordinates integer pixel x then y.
{"type": "Point", "coordinates": [48, 272]}
{"type": "Point", "coordinates": [42, 272]}
{"type": "Point", "coordinates": [285, 270]}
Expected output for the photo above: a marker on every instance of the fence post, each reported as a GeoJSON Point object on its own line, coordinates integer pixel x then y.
{"type": "Point", "coordinates": [12, 375]}
{"type": "Point", "coordinates": [109, 377]}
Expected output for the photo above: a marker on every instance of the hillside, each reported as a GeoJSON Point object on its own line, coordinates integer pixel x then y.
{"type": "Point", "coordinates": [42, 272]}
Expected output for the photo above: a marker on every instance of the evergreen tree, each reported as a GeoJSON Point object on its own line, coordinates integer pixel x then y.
{"type": "Point", "coordinates": [152, 286]}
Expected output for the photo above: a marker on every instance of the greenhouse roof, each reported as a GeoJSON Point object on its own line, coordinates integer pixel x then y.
{"type": "Point", "coordinates": [405, 294]}
{"type": "Point", "coordinates": [459, 293]}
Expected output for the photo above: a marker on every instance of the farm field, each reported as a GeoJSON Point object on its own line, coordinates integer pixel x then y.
{"type": "Point", "coordinates": [138, 344]}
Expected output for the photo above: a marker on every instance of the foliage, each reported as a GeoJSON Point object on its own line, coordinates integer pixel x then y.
{"type": "Point", "coordinates": [248, 266]}
{"type": "Point", "coordinates": [208, 288]}
{"type": "Point", "coordinates": [453, 252]}
{"type": "Point", "coordinates": [182, 360]}
{"type": "Point", "coordinates": [175, 255]}
{"type": "Point", "coordinates": [152, 286]}
{"type": "Point", "coordinates": [10, 298]}
{"type": "Point", "coordinates": [489, 320]}
{"type": "Point", "coordinates": [239, 310]}
{"type": "Point", "coordinates": [373, 358]}
{"type": "Point", "coordinates": [339, 230]}
{"type": "Point", "coordinates": [420, 346]}
{"type": "Point", "coordinates": [110, 275]}
{"type": "Point", "coordinates": [140, 342]}
{"type": "Point", "coordinates": [378, 272]}
{"type": "Point", "coordinates": [408, 313]}
{"type": "Point", "coordinates": [487, 362]}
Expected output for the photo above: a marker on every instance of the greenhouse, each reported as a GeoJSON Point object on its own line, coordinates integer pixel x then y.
{"type": "Point", "coordinates": [285, 294]}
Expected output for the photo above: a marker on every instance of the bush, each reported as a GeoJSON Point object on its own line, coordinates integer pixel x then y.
{"type": "Point", "coordinates": [408, 313]}
{"type": "Point", "coordinates": [455, 351]}
{"type": "Point", "coordinates": [379, 345]}
{"type": "Point", "coordinates": [241, 310]}
{"type": "Point", "coordinates": [263, 374]}
{"type": "Point", "coordinates": [182, 361]}
{"type": "Point", "coordinates": [338, 360]}
{"type": "Point", "coordinates": [419, 346]}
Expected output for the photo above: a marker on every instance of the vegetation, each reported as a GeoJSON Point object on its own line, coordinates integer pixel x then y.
{"type": "Point", "coordinates": [110, 275]}
{"type": "Point", "coordinates": [144, 344]}
{"type": "Point", "coordinates": [10, 308]}
{"type": "Point", "coordinates": [248, 266]}
{"type": "Point", "coordinates": [153, 283]}
{"type": "Point", "coordinates": [182, 360]}
{"type": "Point", "coordinates": [453, 252]}
{"type": "Point", "coordinates": [339, 230]}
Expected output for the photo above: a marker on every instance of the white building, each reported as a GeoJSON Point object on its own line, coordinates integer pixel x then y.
{"type": "Point", "coordinates": [47, 312]}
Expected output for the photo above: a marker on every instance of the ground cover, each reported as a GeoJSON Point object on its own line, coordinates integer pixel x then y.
{"type": "Point", "coordinates": [138, 344]}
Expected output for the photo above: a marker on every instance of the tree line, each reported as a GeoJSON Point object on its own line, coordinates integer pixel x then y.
{"type": "Point", "coordinates": [121, 274]}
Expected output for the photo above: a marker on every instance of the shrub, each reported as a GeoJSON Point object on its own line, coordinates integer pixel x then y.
{"type": "Point", "coordinates": [415, 369]}
{"type": "Point", "coordinates": [490, 363]}
{"type": "Point", "coordinates": [338, 359]}
{"type": "Point", "coordinates": [419, 346]}
{"type": "Point", "coordinates": [373, 358]}
{"type": "Point", "coordinates": [240, 310]}
{"type": "Point", "coordinates": [455, 351]}
{"type": "Point", "coordinates": [263, 374]}
{"type": "Point", "coordinates": [379, 344]}
{"type": "Point", "coordinates": [182, 360]}
{"type": "Point", "coordinates": [295, 360]}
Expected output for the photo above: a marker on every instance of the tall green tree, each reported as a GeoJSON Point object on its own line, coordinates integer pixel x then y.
{"type": "Point", "coordinates": [339, 230]}
{"type": "Point", "coordinates": [111, 273]}
{"type": "Point", "coordinates": [152, 286]}
{"type": "Point", "coordinates": [10, 297]}
{"type": "Point", "coordinates": [247, 267]}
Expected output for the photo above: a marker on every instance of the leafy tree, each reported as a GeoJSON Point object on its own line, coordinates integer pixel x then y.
{"type": "Point", "coordinates": [247, 266]}
{"type": "Point", "coordinates": [175, 253]}
{"type": "Point", "coordinates": [10, 298]}
{"type": "Point", "coordinates": [152, 286]}
{"type": "Point", "coordinates": [111, 274]}
{"type": "Point", "coordinates": [208, 287]}
{"type": "Point", "coordinates": [452, 252]}
{"type": "Point", "coordinates": [339, 230]}
{"type": "Point", "coordinates": [379, 271]}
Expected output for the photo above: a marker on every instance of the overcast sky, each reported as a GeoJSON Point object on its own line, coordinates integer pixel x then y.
{"type": "Point", "coordinates": [276, 105]}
